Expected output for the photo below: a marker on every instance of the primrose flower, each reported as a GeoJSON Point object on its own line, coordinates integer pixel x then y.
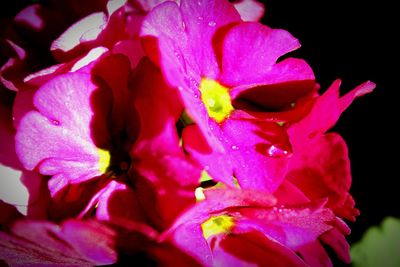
{"type": "Point", "coordinates": [244, 227]}
{"type": "Point", "coordinates": [167, 133]}
{"type": "Point", "coordinates": [223, 68]}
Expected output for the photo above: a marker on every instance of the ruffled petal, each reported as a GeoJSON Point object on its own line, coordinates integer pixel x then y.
{"type": "Point", "coordinates": [61, 138]}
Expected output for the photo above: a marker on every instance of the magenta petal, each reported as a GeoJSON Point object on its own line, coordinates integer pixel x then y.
{"type": "Point", "coordinates": [219, 200]}
{"type": "Point", "coordinates": [189, 238]}
{"type": "Point", "coordinates": [325, 112]}
{"type": "Point", "coordinates": [202, 19]}
{"type": "Point", "coordinates": [293, 226]}
{"type": "Point", "coordinates": [165, 42]}
{"type": "Point", "coordinates": [74, 243]}
{"type": "Point", "coordinates": [93, 240]}
{"type": "Point", "coordinates": [253, 249]}
{"type": "Point", "coordinates": [288, 194]}
{"type": "Point", "coordinates": [338, 243]}
{"type": "Point", "coordinates": [258, 151]}
{"type": "Point", "coordinates": [323, 171]}
{"type": "Point", "coordinates": [166, 187]}
{"type": "Point", "coordinates": [159, 137]}
{"type": "Point", "coordinates": [360, 90]}
{"type": "Point", "coordinates": [118, 82]}
{"type": "Point", "coordinates": [217, 164]}
{"type": "Point", "coordinates": [182, 38]}
{"type": "Point", "coordinates": [60, 138]}
{"type": "Point", "coordinates": [286, 82]}
{"type": "Point", "coordinates": [186, 233]}
{"type": "Point", "coordinates": [74, 200]}
{"type": "Point", "coordinates": [131, 49]}
{"type": "Point", "coordinates": [314, 254]}
{"type": "Point", "coordinates": [113, 203]}
{"type": "Point", "coordinates": [242, 47]}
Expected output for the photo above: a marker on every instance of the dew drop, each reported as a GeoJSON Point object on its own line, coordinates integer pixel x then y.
{"type": "Point", "coordinates": [200, 18]}
{"type": "Point", "coordinates": [276, 152]}
{"type": "Point", "coordinates": [183, 25]}
{"type": "Point", "coordinates": [235, 147]}
{"type": "Point", "coordinates": [177, 55]}
{"type": "Point", "coordinates": [55, 122]}
{"type": "Point", "coordinates": [212, 24]}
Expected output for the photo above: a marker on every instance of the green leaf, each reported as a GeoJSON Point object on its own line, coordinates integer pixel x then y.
{"type": "Point", "coordinates": [380, 246]}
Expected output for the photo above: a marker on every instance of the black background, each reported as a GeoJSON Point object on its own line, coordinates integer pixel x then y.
{"type": "Point", "coordinates": [354, 42]}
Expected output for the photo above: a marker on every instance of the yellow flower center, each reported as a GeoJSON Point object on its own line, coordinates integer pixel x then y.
{"type": "Point", "coordinates": [221, 224]}
{"type": "Point", "coordinates": [216, 98]}
{"type": "Point", "coordinates": [104, 160]}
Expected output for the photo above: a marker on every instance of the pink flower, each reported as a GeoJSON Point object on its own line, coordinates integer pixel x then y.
{"type": "Point", "coordinates": [242, 227]}
{"type": "Point", "coordinates": [213, 58]}
{"type": "Point", "coordinates": [168, 133]}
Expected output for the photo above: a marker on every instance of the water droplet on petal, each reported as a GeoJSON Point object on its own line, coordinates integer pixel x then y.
{"type": "Point", "coordinates": [55, 122]}
{"type": "Point", "coordinates": [212, 24]}
{"type": "Point", "coordinates": [200, 18]}
{"type": "Point", "coordinates": [177, 54]}
{"type": "Point", "coordinates": [276, 152]}
{"type": "Point", "coordinates": [235, 147]}
{"type": "Point", "coordinates": [183, 25]}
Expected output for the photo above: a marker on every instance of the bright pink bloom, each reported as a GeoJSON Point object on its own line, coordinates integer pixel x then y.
{"type": "Point", "coordinates": [205, 44]}
{"type": "Point", "coordinates": [216, 230]}
{"type": "Point", "coordinates": [105, 154]}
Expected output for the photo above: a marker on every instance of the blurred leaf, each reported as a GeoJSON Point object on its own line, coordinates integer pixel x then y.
{"type": "Point", "coordinates": [380, 246]}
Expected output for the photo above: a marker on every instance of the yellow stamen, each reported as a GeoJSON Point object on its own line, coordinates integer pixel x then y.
{"type": "Point", "coordinates": [216, 98]}
{"type": "Point", "coordinates": [104, 160]}
{"type": "Point", "coordinates": [221, 224]}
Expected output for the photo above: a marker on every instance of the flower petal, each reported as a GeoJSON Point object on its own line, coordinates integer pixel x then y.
{"type": "Point", "coordinates": [250, 50]}
{"type": "Point", "coordinates": [323, 171]}
{"type": "Point", "coordinates": [61, 137]}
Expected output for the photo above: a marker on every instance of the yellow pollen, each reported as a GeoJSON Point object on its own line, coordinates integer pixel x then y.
{"type": "Point", "coordinates": [104, 160]}
{"type": "Point", "coordinates": [216, 98]}
{"type": "Point", "coordinates": [221, 224]}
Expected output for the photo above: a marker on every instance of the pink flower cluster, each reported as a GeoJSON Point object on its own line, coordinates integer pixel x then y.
{"type": "Point", "coordinates": [167, 133]}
